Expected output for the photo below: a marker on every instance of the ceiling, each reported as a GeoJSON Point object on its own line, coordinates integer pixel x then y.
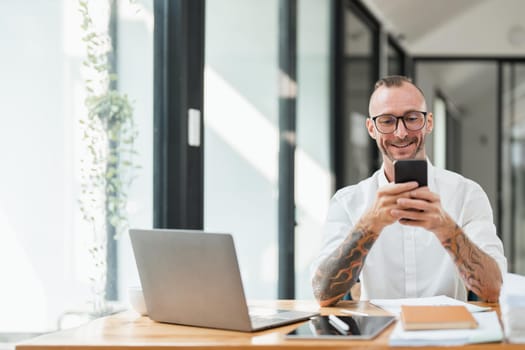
{"type": "Point", "coordinates": [454, 27]}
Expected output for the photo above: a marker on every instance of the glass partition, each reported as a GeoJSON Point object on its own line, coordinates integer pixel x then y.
{"type": "Point", "coordinates": [395, 59]}
{"type": "Point", "coordinates": [241, 134]}
{"type": "Point", "coordinates": [359, 153]}
{"type": "Point", "coordinates": [469, 90]}
{"type": "Point", "coordinates": [439, 112]}
{"type": "Point", "coordinates": [513, 164]}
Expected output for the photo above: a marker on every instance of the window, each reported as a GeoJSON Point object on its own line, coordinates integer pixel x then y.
{"type": "Point", "coordinates": [358, 154]}
{"type": "Point", "coordinates": [395, 58]}
{"type": "Point", "coordinates": [241, 133]}
{"type": "Point", "coordinates": [44, 259]}
{"type": "Point", "coordinates": [513, 167]}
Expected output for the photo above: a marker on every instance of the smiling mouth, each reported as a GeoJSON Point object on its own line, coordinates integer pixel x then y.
{"type": "Point", "coordinates": [403, 145]}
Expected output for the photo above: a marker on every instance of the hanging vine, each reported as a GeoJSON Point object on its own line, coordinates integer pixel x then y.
{"type": "Point", "coordinates": [108, 133]}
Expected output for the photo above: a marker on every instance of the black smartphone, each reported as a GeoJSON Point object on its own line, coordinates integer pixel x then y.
{"type": "Point", "coordinates": [406, 170]}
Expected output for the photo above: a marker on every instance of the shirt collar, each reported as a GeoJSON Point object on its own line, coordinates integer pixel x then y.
{"type": "Point", "coordinates": [382, 181]}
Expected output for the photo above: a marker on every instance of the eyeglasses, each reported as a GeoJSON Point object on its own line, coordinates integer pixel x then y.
{"type": "Point", "coordinates": [387, 123]}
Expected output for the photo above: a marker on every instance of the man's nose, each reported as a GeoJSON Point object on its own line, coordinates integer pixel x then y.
{"type": "Point", "coordinates": [401, 131]}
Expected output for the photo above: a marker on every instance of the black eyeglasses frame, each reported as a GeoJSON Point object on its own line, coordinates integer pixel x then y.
{"type": "Point", "coordinates": [402, 118]}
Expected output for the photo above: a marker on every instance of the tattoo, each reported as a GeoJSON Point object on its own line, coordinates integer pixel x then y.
{"type": "Point", "coordinates": [469, 259]}
{"type": "Point", "coordinates": [340, 270]}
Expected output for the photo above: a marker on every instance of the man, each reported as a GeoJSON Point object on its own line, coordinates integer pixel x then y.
{"type": "Point", "coordinates": [401, 240]}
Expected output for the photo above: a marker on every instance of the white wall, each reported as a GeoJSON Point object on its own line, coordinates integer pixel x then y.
{"type": "Point", "coordinates": [36, 187]}
{"type": "Point", "coordinates": [44, 261]}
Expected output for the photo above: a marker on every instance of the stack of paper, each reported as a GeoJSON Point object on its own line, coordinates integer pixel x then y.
{"type": "Point", "coordinates": [394, 305]}
{"type": "Point", "coordinates": [512, 305]}
{"type": "Point", "coordinates": [488, 330]}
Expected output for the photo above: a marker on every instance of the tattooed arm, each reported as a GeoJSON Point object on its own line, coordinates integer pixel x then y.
{"type": "Point", "coordinates": [478, 270]}
{"type": "Point", "coordinates": [339, 271]}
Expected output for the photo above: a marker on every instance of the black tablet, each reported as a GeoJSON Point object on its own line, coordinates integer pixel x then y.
{"type": "Point", "coordinates": [343, 327]}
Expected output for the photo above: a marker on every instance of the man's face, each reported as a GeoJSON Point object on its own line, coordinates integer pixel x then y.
{"type": "Point", "coordinates": [402, 143]}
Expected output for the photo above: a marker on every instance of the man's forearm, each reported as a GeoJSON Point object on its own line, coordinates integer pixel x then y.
{"type": "Point", "coordinates": [479, 271]}
{"type": "Point", "coordinates": [340, 270]}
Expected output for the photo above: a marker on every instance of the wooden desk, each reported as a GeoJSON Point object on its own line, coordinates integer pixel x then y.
{"type": "Point", "coordinates": [128, 330]}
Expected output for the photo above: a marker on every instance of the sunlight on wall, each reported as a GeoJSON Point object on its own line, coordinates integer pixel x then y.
{"type": "Point", "coordinates": [258, 144]}
{"type": "Point", "coordinates": [312, 194]}
{"type": "Point", "coordinates": [23, 300]}
{"type": "Point", "coordinates": [227, 112]}
{"type": "Point", "coordinates": [313, 199]}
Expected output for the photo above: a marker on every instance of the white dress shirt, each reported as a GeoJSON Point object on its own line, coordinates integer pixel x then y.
{"type": "Point", "coordinates": [405, 261]}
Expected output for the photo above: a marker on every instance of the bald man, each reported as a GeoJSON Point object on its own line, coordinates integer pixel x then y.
{"type": "Point", "coordinates": [399, 240]}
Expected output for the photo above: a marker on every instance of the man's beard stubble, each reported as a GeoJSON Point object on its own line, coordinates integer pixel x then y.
{"type": "Point", "coordinates": [418, 150]}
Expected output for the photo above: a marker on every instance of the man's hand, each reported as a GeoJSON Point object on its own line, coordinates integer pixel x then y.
{"type": "Point", "coordinates": [384, 210]}
{"type": "Point", "coordinates": [479, 271]}
{"type": "Point", "coordinates": [422, 208]}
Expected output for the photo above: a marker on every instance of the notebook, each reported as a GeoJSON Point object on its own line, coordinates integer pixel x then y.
{"type": "Point", "coordinates": [416, 317]}
{"type": "Point", "coordinates": [488, 330]}
{"type": "Point", "coordinates": [192, 278]}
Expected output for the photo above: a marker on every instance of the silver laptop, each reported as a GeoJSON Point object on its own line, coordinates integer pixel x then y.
{"type": "Point", "coordinates": [192, 278]}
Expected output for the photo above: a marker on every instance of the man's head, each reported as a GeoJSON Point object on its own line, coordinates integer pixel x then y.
{"type": "Point", "coordinates": [398, 138]}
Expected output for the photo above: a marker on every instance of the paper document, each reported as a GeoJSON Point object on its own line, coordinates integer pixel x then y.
{"type": "Point", "coordinates": [489, 330]}
{"type": "Point", "coordinates": [394, 305]}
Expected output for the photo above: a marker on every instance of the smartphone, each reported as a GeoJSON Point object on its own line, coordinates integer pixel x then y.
{"type": "Point", "coordinates": [406, 170]}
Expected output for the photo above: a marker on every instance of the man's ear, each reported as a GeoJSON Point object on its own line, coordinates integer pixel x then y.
{"type": "Point", "coordinates": [370, 127]}
{"type": "Point", "coordinates": [430, 123]}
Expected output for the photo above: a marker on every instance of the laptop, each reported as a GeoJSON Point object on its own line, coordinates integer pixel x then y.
{"type": "Point", "coordinates": [192, 278]}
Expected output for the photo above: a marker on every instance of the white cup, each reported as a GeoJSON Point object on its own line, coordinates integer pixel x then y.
{"type": "Point", "coordinates": [136, 299]}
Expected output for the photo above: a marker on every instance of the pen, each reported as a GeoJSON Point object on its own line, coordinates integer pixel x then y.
{"type": "Point", "coordinates": [339, 323]}
{"type": "Point", "coordinates": [350, 312]}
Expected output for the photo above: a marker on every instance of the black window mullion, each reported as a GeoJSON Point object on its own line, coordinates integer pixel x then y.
{"type": "Point", "coordinates": [178, 194]}
{"type": "Point", "coordinates": [287, 131]}
{"type": "Point", "coordinates": [337, 73]}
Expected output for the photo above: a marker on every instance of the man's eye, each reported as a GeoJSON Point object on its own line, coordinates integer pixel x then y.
{"type": "Point", "coordinates": [386, 121]}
